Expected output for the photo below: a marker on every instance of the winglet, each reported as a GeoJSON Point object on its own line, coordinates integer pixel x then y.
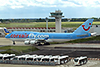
{"type": "Point", "coordinates": [85, 27]}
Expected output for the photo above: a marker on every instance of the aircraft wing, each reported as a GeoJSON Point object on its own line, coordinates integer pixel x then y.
{"type": "Point", "coordinates": [37, 40]}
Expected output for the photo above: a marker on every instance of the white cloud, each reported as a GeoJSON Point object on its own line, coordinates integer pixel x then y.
{"type": "Point", "coordinates": [13, 7]}
{"type": "Point", "coordinates": [86, 3]}
{"type": "Point", "coordinates": [52, 3]}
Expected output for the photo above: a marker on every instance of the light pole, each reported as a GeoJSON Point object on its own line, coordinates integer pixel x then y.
{"type": "Point", "coordinates": [46, 24]}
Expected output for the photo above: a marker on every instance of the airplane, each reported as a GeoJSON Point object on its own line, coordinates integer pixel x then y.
{"type": "Point", "coordinates": [38, 38]}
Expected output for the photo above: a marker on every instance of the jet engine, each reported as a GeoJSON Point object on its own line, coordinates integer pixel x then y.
{"type": "Point", "coordinates": [27, 42]}
{"type": "Point", "coordinates": [32, 42]}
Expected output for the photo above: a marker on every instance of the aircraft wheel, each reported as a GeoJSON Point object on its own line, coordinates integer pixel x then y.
{"type": "Point", "coordinates": [47, 43]}
{"type": "Point", "coordinates": [39, 44]}
{"type": "Point", "coordinates": [13, 42]}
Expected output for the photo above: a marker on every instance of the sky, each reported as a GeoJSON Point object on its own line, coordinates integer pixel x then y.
{"type": "Point", "coordinates": [10, 9]}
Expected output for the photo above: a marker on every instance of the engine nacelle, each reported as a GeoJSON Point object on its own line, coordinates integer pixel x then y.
{"type": "Point", "coordinates": [32, 41]}
{"type": "Point", "coordinates": [27, 42]}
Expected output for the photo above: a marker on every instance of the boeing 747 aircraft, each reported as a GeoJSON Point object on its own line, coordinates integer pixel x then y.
{"type": "Point", "coordinates": [44, 38]}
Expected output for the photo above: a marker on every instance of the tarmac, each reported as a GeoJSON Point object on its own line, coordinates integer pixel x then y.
{"type": "Point", "coordinates": [87, 45]}
{"type": "Point", "coordinates": [5, 42]}
{"type": "Point", "coordinates": [51, 49]}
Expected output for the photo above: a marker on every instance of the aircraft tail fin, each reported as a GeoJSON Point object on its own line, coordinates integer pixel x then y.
{"type": "Point", "coordinates": [85, 27]}
{"type": "Point", "coordinates": [6, 31]}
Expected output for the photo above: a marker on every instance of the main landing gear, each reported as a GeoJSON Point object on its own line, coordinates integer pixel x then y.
{"type": "Point", "coordinates": [13, 42]}
{"type": "Point", "coordinates": [47, 43]}
{"type": "Point", "coordinates": [41, 44]}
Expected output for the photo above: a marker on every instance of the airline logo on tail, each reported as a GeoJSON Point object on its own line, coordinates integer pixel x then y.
{"type": "Point", "coordinates": [85, 28]}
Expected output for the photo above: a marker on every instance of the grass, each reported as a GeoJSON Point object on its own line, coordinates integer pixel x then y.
{"type": "Point", "coordinates": [17, 49]}
{"type": "Point", "coordinates": [94, 38]}
{"type": "Point", "coordinates": [43, 24]}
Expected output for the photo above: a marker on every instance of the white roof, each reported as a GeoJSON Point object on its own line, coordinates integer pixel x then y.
{"type": "Point", "coordinates": [20, 56]}
{"type": "Point", "coordinates": [45, 57]}
{"type": "Point", "coordinates": [40, 56]}
{"type": "Point", "coordinates": [54, 57]}
{"type": "Point", "coordinates": [61, 57]}
{"type": "Point", "coordinates": [64, 56]}
{"type": "Point", "coordinates": [31, 56]}
{"type": "Point", "coordinates": [6, 55]}
{"type": "Point", "coordinates": [81, 57]}
{"type": "Point", "coordinates": [27, 56]}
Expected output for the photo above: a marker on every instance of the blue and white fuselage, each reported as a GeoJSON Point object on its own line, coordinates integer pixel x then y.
{"type": "Point", "coordinates": [36, 37]}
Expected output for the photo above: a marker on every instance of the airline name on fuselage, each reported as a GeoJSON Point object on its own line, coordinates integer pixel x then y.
{"type": "Point", "coordinates": [19, 35]}
{"type": "Point", "coordinates": [32, 35]}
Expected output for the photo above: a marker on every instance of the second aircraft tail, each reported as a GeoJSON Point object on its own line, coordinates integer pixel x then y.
{"type": "Point", "coordinates": [6, 31]}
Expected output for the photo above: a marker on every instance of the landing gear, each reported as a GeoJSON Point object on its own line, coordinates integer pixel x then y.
{"type": "Point", "coordinates": [38, 44]}
{"type": "Point", "coordinates": [13, 42]}
{"type": "Point", "coordinates": [47, 43]}
{"type": "Point", "coordinates": [42, 43]}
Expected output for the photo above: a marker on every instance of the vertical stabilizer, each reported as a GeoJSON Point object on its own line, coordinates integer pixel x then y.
{"type": "Point", "coordinates": [6, 31]}
{"type": "Point", "coordinates": [85, 27]}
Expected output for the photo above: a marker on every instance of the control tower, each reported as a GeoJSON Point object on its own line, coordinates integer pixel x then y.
{"type": "Point", "coordinates": [58, 15]}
